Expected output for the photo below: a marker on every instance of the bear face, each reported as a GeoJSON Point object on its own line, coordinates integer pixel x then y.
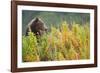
{"type": "Point", "coordinates": [36, 26]}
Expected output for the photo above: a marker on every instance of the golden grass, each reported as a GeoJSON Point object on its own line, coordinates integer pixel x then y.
{"type": "Point", "coordinates": [58, 44]}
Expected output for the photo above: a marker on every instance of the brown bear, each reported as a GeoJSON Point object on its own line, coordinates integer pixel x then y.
{"type": "Point", "coordinates": [36, 26]}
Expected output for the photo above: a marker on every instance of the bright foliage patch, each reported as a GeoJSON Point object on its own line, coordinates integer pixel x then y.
{"type": "Point", "coordinates": [58, 44]}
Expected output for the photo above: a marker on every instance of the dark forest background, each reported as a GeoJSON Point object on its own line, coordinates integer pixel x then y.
{"type": "Point", "coordinates": [54, 18]}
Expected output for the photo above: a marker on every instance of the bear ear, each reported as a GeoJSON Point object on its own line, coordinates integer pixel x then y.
{"type": "Point", "coordinates": [36, 19]}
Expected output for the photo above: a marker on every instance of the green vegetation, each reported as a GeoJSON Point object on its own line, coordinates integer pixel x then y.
{"type": "Point", "coordinates": [55, 19]}
{"type": "Point", "coordinates": [59, 44]}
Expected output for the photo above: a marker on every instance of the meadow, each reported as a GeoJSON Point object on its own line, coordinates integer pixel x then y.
{"type": "Point", "coordinates": [58, 44]}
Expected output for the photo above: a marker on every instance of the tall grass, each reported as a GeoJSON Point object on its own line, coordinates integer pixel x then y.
{"type": "Point", "coordinates": [58, 44]}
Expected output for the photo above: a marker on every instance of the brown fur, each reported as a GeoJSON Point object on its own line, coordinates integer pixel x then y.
{"type": "Point", "coordinates": [36, 26]}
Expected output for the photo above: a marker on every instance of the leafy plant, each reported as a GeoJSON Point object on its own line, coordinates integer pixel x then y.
{"type": "Point", "coordinates": [60, 43]}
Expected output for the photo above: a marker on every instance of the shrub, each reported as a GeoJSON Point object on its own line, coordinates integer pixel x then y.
{"type": "Point", "coordinates": [58, 44]}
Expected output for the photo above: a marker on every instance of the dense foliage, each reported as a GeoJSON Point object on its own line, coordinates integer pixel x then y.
{"type": "Point", "coordinates": [51, 18]}
{"type": "Point", "coordinates": [61, 43]}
